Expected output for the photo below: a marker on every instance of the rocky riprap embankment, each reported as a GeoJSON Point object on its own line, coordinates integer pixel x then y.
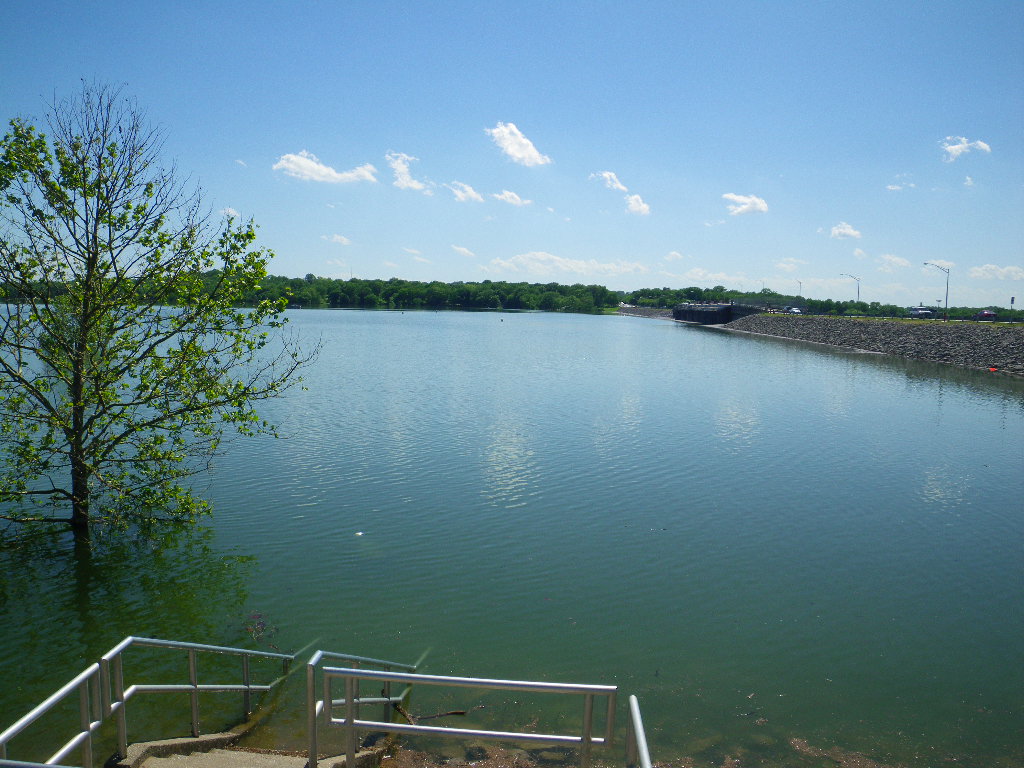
{"type": "Point", "coordinates": [968, 344]}
{"type": "Point", "coordinates": [646, 312]}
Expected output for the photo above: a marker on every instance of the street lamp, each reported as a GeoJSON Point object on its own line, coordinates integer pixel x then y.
{"type": "Point", "coordinates": [945, 315]}
{"type": "Point", "coordinates": [843, 274]}
{"type": "Point", "coordinates": [801, 287]}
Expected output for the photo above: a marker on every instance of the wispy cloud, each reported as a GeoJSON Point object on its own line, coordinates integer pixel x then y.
{"type": "Point", "coordinates": [992, 272]}
{"type": "Point", "coordinates": [968, 182]}
{"type": "Point", "coordinates": [634, 204]}
{"type": "Point", "coordinates": [464, 251]}
{"type": "Point", "coordinates": [511, 198]}
{"type": "Point", "coordinates": [610, 180]}
{"type": "Point", "coordinates": [890, 263]}
{"type": "Point", "coordinates": [842, 230]}
{"type": "Point", "coordinates": [229, 213]}
{"type": "Point", "coordinates": [790, 264]}
{"type": "Point", "coordinates": [422, 260]}
{"type": "Point", "coordinates": [514, 144]}
{"type": "Point", "coordinates": [307, 166]}
{"type": "Point", "coordinates": [339, 239]}
{"type": "Point", "coordinates": [546, 264]}
{"type": "Point", "coordinates": [242, 163]}
{"type": "Point", "coordinates": [399, 162]}
{"type": "Point", "coordinates": [464, 192]}
{"type": "Point", "coordinates": [745, 204]}
{"type": "Point", "coordinates": [674, 256]}
{"type": "Point", "coordinates": [954, 146]}
{"type": "Point", "coordinates": [698, 275]}
{"type": "Point", "coordinates": [901, 182]}
{"type": "Point", "coordinates": [411, 251]}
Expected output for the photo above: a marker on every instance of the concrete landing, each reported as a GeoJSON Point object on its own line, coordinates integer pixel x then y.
{"type": "Point", "coordinates": [228, 758]}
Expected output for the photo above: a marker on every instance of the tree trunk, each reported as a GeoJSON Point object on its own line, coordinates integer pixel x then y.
{"type": "Point", "coordinates": [80, 496]}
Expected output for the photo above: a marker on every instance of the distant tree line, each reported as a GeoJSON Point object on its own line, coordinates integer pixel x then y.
{"type": "Point", "coordinates": [312, 292]}
{"type": "Point", "coordinates": [670, 297]}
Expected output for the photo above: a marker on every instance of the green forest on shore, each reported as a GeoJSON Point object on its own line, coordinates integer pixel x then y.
{"type": "Point", "coordinates": [312, 292]}
{"type": "Point", "coordinates": [356, 293]}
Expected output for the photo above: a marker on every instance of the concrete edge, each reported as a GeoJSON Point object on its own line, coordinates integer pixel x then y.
{"type": "Point", "coordinates": [140, 752]}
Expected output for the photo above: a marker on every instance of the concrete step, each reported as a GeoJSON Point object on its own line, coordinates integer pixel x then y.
{"type": "Point", "coordinates": [225, 758]}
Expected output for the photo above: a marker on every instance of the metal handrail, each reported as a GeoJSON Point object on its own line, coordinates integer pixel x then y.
{"type": "Point", "coordinates": [102, 694]}
{"type": "Point", "coordinates": [315, 707]}
{"type": "Point", "coordinates": [637, 752]}
{"type": "Point", "coordinates": [352, 701]}
{"type": "Point", "coordinates": [88, 705]}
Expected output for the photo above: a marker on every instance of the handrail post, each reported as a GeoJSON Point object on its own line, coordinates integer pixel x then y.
{"type": "Point", "coordinates": [193, 680]}
{"type": "Point", "coordinates": [247, 693]}
{"type": "Point", "coordinates": [122, 716]}
{"type": "Point", "coordinates": [85, 721]}
{"type": "Point", "coordinates": [588, 728]}
{"type": "Point", "coordinates": [641, 753]}
{"type": "Point", "coordinates": [610, 720]}
{"type": "Point", "coordinates": [350, 721]}
{"type": "Point", "coordinates": [387, 697]}
{"type": "Point", "coordinates": [311, 712]}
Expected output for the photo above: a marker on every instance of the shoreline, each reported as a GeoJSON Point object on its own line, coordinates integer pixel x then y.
{"type": "Point", "coordinates": [991, 347]}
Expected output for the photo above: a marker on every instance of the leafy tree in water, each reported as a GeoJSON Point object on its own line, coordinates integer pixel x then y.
{"type": "Point", "coordinates": [121, 368]}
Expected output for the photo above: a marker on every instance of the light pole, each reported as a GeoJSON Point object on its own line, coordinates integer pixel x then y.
{"type": "Point", "coordinates": [843, 274]}
{"type": "Point", "coordinates": [945, 314]}
{"type": "Point", "coordinates": [800, 292]}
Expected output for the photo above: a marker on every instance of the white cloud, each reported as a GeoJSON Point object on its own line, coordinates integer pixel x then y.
{"type": "Point", "coordinates": [339, 239]}
{"type": "Point", "coordinates": [859, 253]}
{"type": "Point", "coordinates": [992, 272]}
{"type": "Point", "coordinates": [902, 182]}
{"type": "Point", "coordinates": [745, 204]}
{"type": "Point", "coordinates": [634, 204]}
{"type": "Point", "coordinates": [463, 251]}
{"type": "Point", "coordinates": [242, 163]}
{"type": "Point", "coordinates": [399, 162]}
{"type": "Point", "coordinates": [464, 192]}
{"type": "Point", "coordinates": [511, 198]}
{"type": "Point", "coordinates": [412, 251]}
{"type": "Point", "coordinates": [229, 213]}
{"type": "Point", "coordinates": [714, 223]}
{"type": "Point", "coordinates": [514, 144]}
{"type": "Point", "coordinates": [544, 264]}
{"type": "Point", "coordinates": [307, 166]}
{"type": "Point", "coordinates": [968, 182]}
{"type": "Point", "coordinates": [790, 264]}
{"type": "Point", "coordinates": [843, 230]}
{"type": "Point", "coordinates": [700, 275]}
{"type": "Point", "coordinates": [674, 256]}
{"type": "Point", "coordinates": [961, 147]}
{"type": "Point", "coordinates": [610, 180]}
{"type": "Point", "coordinates": [890, 263]}
{"type": "Point", "coordinates": [422, 260]}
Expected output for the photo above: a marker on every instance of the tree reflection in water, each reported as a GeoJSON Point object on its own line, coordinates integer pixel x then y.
{"type": "Point", "coordinates": [63, 604]}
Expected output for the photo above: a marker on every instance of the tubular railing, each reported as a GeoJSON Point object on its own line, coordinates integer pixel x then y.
{"type": "Point", "coordinates": [102, 694]}
{"type": "Point", "coordinates": [352, 723]}
{"type": "Point", "coordinates": [314, 706]}
{"type": "Point", "coordinates": [637, 753]}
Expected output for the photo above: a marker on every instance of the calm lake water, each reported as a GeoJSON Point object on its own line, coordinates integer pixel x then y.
{"type": "Point", "coordinates": [763, 540]}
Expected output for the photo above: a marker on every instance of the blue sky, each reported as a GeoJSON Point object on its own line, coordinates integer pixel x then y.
{"type": "Point", "coordinates": [641, 144]}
